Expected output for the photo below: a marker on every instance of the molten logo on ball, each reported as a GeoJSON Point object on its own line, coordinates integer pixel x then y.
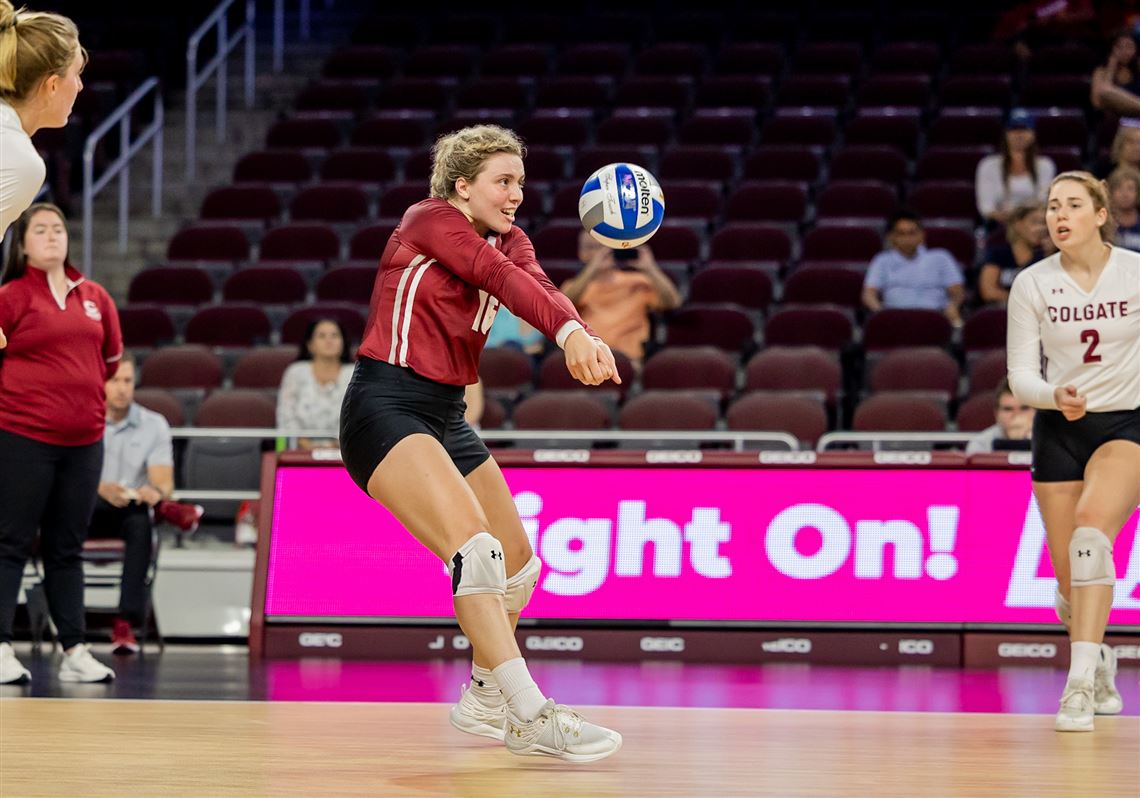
{"type": "Point", "coordinates": [621, 205]}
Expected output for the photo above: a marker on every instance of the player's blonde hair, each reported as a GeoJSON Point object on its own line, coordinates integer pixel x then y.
{"type": "Point", "coordinates": [33, 45]}
{"type": "Point", "coordinates": [1098, 193]}
{"type": "Point", "coordinates": [463, 153]}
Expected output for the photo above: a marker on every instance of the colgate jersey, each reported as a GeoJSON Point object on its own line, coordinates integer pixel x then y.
{"type": "Point", "coordinates": [439, 287]}
{"type": "Point", "coordinates": [1061, 335]}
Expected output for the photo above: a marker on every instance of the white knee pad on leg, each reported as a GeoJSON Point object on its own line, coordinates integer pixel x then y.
{"type": "Point", "coordinates": [521, 585]}
{"type": "Point", "coordinates": [478, 567]}
{"type": "Point", "coordinates": [1090, 558]}
{"type": "Point", "coordinates": [1064, 609]}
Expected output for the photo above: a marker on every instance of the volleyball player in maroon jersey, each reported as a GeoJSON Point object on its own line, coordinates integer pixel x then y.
{"type": "Point", "coordinates": [446, 268]}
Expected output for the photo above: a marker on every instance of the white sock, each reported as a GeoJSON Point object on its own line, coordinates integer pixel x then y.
{"type": "Point", "coordinates": [518, 687]}
{"type": "Point", "coordinates": [1083, 661]}
{"type": "Point", "coordinates": [484, 686]}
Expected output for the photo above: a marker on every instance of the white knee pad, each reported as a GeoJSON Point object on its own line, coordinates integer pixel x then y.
{"type": "Point", "coordinates": [1090, 558]}
{"type": "Point", "coordinates": [1064, 609]}
{"type": "Point", "coordinates": [478, 567]}
{"type": "Point", "coordinates": [521, 585]}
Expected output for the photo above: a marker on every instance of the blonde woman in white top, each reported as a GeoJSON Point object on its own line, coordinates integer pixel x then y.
{"type": "Point", "coordinates": [1074, 353]}
{"type": "Point", "coordinates": [40, 62]}
{"type": "Point", "coordinates": [312, 389]}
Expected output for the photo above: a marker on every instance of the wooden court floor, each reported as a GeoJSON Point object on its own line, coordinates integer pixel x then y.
{"type": "Point", "coordinates": [66, 747]}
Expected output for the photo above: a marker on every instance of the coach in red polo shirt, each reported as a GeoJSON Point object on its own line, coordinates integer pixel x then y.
{"type": "Point", "coordinates": [63, 344]}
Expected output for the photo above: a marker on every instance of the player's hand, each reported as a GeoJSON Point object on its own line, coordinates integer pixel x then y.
{"type": "Point", "coordinates": [606, 356]}
{"type": "Point", "coordinates": [1069, 402]}
{"type": "Point", "coordinates": [586, 361]}
{"type": "Point", "coordinates": [3, 340]}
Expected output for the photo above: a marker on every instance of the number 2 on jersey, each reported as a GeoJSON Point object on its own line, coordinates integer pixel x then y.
{"type": "Point", "coordinates": [1092, 338]}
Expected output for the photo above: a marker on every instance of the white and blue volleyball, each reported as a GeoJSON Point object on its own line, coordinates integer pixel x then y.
{"type": "Point", "coordinates": [622, 205]}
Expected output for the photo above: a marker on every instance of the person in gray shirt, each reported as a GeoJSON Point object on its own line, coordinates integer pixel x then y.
{"type": "Point", "coordinates": [138, 473]}
{"type": "Point", "coordinates": [1014, 422]}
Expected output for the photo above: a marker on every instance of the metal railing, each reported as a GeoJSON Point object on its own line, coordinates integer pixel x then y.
{"type": "Point", "coordinates": [876, 438]}
{"type": "Point", "coordinates": [304, 28]}
{"type": "Point", "coordinates": [120, 167]}
{"type": "Point", "coordinates": [738, 439]}
{"type": "Point", "coordinates": [217, 22]}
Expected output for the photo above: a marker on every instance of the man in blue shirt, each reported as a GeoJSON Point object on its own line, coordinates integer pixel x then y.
{"type": "Point", "coordinates": [908, 275]}
{"type": "Point", "coordinates": [138, 473]}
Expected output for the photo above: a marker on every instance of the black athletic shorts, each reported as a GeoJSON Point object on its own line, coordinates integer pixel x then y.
{"type": "Point", "coordinates": [1061, 448]}
{"type": "Point", "coordinates": [385, 404]}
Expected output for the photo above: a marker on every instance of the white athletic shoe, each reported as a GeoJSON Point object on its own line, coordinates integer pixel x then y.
{"type": "Point", "coordinates": [471, 715]}
{"type": "Point", "coordinates": [11, 671]}
{"type": "Point", "coordinates": [1106, 698]}
{"type": "Point", "coordinates": [1076, 712]}
{"type": "Point", "coordinates": [560, 732]}
{"type": "Point", "coordinates": [80, 666]}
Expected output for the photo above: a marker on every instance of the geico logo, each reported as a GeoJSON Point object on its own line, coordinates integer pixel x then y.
{"type": "Point", "coordinates": [663, 644]}
{"type": "Point", "coordinates": [537, 643]}
{"type": "Point", "coordinates": [788, 458]}
{"type": "Point", "coordinates": [325, 454]}
{"type": "Point", "coordinates": [562, 456]}
{"type": "Point", "coordinates": [320, 640]}
{"type": "Point", "coordinates": [1127, 652]}
{"type": "Point", "coordinates": [902, 458]}
{"type": "Point", "coordinates": [920, 647]}
{"type": "Point", "coordinates": [673, 456]}
{"type": "Point", "coordinates": [1028, 650]}
{"type": "Point", "coordinates": [788, 645]}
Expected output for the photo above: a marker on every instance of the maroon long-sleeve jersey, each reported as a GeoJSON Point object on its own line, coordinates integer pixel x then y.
{"type": "Point", "coordinates": [440, 285]}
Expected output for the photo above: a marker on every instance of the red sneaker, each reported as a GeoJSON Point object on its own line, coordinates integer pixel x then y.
{"type": "Point", "coordinates": [123, 638]}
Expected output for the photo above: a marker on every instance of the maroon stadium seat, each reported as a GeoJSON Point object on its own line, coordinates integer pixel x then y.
{"type": "Point", "coordinates": [728, 327]}
{"type": "Point", "coordinates": [801, 127]}
{"type": "Point", "coordinates": [208, 242]}
{"type": "Point", "coordinates": [262, 368]}
{"type": "Point", "coordinates": [984, 329]}
{"type": "Point", "coordinates": [229, 325]}
{"type": "Point", "coordinates": [696, 162]}
{"type": "Point", "coordinates": [898, 413]}
{"type": "Point", "coordinates": [912, 57]}
{"type": "Point", "coordinates": [829, 58]}
{"type": "Point", "coordinates": [239, 407]}
{"type": "Point", "coordinates": [944, 199]}
{"type": "Point", "coordinates": [403, 128]}
{"type": "Point", "coordinates": [172, 285]}
{"type": "Point", "coordinates": [987, 371]}
{"type": "Point", "coordinates": [330, 203]}
{"type": "Point", "coordinates": [762, 411]}
{"type": "Point", "coordinates": [303, 134]}
{"type": "Point", "coordinates": [828, 328]}
{"type": "Point", "coordinates": [916, 369]}
{"type": "Point", "coordinates": [655, 91]}
{"type": "Point", "coordinates": [891, 328]}
{"type": "Point", "coordinates": [719, 126]}
{"type": "Point", "coordinates": [416, 93]}
{"type": "Point", "coordinates": [735, 91]}
{"type": "Point", "coordinates": [825, 285]}
{"type": "Point", "coordinates": [302, 241]}
{"type": "Point", "coordinates": [769, 201]}
{"type": "Point", "coordinates": [174, 367]}
{"type": "Point", "coordinates": [554, 376]}
{"type": "Point", "coordinates": [146, 326]}
{"type": "Point", "coordinates": [745, 285]}
{"type": "Point", "coordinates": [966, 90]}
{"type": "Point", "coordinates": [690, 367]}
{"type": "Point", "coordinates": [784, 162]}
{"type": "Point", "coordinates": [506, 369]}
{"type": "Point", "coordinates": [751, 58]}
{"type": "Point", "coordinates": [255, 203]}
{"type": "Point", "coordinates": [950, 163]}
{"type": "Point", "coordinates": [816, 91]}
{"type": "Point", "coordinates": [360, 61]}
{"type": "Point", "coordinates": [668, 410]}
{"type": "Point", "coordinates": [966, 126]}
{"type": "Point", "coordinates": [671, 58]}
{"type": "Point", "coordinates": [856, 199]}
{"type": "Point", "coordinates": [368, 242]}
{"type": "Point", "coordinates": [895, 127]}
{"type": "Point", "coordinates": [517, 59]}
{"type": "Point", "coordinates": [576, 91]}
{"type": "Point", "coordinates": [562, 410]}
{"type": "Point", "coordinates": [598, 58]}
{"type": "Point", "coordinates": [976, 413]}
{"type": "Point", "coordinates": [273, 166]}
{"type": "Point", "coordinates": [333, 95]}
{"type": "Point", "coordinates": [750, 241]}
{"type": "Point", "coordinates": [350, 317]}
{"type": "Point", "coordinates": [795, 368]}
{"type": "Point", "coordinates": [896, 91]}
{"type": "Point", "coordinates": [162, 402]}
{"type": "Point", "coordinates": [347, 284]}
{"type": "Point", "coordinates": [269, 285]}
{"type": "Point", "coordinates": [359, 165]}
{"type": "Point", "coordinates": [652, 126]}
{"type": "Point", "coordinates": [839, 242]}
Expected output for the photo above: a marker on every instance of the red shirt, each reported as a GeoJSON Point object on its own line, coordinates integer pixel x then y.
{"type": "Point", "coordinates": [439, 287]}
{"type": "Point", "coordinates": [59, 356]}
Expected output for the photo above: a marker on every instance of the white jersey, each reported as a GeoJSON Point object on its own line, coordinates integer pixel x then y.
{"type": "Point", "coordinates": [1061, 335]}
{"type": "Point", "coordinates": [22, 169]}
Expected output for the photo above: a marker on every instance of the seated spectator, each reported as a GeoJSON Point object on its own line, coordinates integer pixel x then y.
{"type": "Point", "coordinates": [312, 388]}
{"type": "Point", "coordinates": [908, 275]}
{"type": "Point", "coordinates": [1017, 174]}
{"type": "Point", "coordinates": [509, 330]}
{"type": "Point", "coordinates": [617, 290]}
{"type": "Point", "coordinates": [138, 473]}
{"type": "Point", "coordinates": [1125, 149]}
{"type": "Point", "coordinates": [1024, 235]}
{"type": "Point", "coordinates": [1123, 193]}
{"type": "Point", "coordinates": [1013, 423]}
{"type": "Point", "coordinates": [1115, 87]}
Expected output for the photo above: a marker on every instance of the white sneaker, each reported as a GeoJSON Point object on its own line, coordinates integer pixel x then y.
{"type": "Point", "coordinates": [560, 732]}
{"type": "Point", "coordinates": [11, 671]}
{"type": "Point", "coordinates": [473, 716]}
{"type": "Point", "coordinates": [79, 666]}
{"type": "Point", "coordinates": [1106, 698]}
{"type": "Point", "coordinates": [1076, 712]}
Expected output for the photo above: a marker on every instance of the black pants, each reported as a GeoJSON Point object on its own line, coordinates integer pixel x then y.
{"type": "Point", "coordinates": [133, 524]}
{"type": "Point", "coordinates": [51, 489]}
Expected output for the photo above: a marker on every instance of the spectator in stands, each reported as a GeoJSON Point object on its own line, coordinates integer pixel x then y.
{"type": "Point", "coordinates": [1017, 174]}
{"type": "Point", "coordinates": [313, 387]}
{"type": "Point", "coordinates": [616, 294]}
{"type": "Point", "coordinates": [1013, 422]}
{"type": "Point", "coordinates": [908, 275]}
{"type": "Point", "coordinates": [64, 343]}
{"type": "Point", "coordinates": [509, 330]}
{"type": "Point", "coordinates": [1125, 149]}
{"type": "Point", "coordinates": [138, 473]}
{"type": "Point", "coordinates": [1115, 87]}
{"type": "Point", "coordinates": [1123, 193]}
{"type": "Point", "coordinates": [1024, 235]}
